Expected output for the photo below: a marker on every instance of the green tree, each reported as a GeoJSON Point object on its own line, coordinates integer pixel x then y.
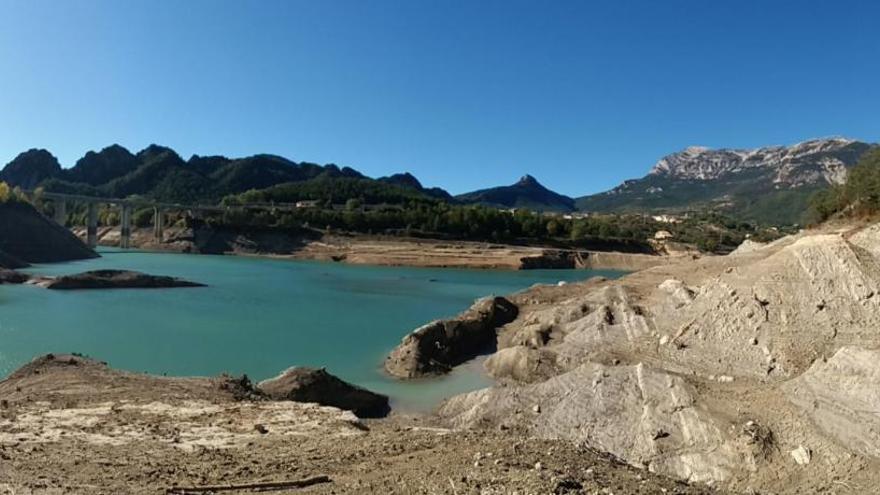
{"type": "Point", "coordinates": [5, 192]}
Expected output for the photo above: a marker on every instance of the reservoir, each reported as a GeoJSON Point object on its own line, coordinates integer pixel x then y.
{"type": "Point", "coordinates": [257, 316]}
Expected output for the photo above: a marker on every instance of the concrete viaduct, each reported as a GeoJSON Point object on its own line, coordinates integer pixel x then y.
{"type": "Point", "coordinates": [126, 206]}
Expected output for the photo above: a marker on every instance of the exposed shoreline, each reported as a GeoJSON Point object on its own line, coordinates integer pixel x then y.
{"type": "Point", "coordinates": [108, 431]}
{"type": "Point", "coordinates": [719, 370]}
{"type": "Point", "coordinates": [390, 251]}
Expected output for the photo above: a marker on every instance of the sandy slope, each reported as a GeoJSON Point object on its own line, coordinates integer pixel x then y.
{"type": "Point", "coordinates": [727, 370]}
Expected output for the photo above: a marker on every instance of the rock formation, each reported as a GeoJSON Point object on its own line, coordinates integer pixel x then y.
{"type": "Point", "coordinates": [111, 279]}
{"type": "Point", "coordinates": [438, 346]}
{"type": "Point", "coordinates": [705, 370]}
{"type": "Point", "coordinates": [768, 183]}
{"type": "Point", "coordinates": [12, 277]}
{"type": "Point", "coordinates": [302, 384]}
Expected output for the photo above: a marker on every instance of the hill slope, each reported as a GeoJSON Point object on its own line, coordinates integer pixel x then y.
{"type": "Point", "coordinates": [526, 193]}
{"type": "Point", "coordinates": [770, 184]}
{"type": "Point", "coordinates": [26, 236]}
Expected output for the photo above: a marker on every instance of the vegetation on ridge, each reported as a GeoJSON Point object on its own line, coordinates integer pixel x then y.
{"type": "Point", "coordinates": [859, 195]}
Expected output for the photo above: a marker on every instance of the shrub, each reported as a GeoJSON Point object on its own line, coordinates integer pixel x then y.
{"type": "Point", "coordinates": [5, 193]}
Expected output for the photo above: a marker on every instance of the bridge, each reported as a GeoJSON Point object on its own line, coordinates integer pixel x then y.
{"type": "Point", "coordinates": [127, 205]}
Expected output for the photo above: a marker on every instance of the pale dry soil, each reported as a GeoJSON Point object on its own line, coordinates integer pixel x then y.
{"type": "Point", "coordinates": [71, 425]}
{"type": "Point", "coordinates": [758, 371]}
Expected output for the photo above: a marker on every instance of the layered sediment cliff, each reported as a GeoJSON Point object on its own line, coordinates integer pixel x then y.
{"type": "Point", "coordinates": [737, 370]}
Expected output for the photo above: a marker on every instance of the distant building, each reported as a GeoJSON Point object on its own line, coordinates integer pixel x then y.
{"type": "Point", "coordinates": [662, 235]}
{"type": "Point", "coordinates": [309, 203]}
{"type": "Point", "coordinates": [577, 214]}
{"type": "Point", "coordinates": [666, 219]}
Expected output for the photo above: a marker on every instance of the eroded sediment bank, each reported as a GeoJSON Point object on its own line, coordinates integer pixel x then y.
{"type": "Point", "coordinates": [755, 371]}
{"type": "Point", "coordinates": [383, 250]}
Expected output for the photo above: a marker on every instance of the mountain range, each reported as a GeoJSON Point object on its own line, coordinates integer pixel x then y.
{"type": "Point", "coordinates": [160, 173]}
{"type": "Point", "coordinates": [768, 184]}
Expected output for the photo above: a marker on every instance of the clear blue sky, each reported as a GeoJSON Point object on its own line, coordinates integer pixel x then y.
{"type": "Point", "coordinates": [464, 94]}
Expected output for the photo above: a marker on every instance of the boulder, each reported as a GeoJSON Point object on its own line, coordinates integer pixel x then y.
{"type": "Point", "coordinates": [682, 294]}
{"type": "Point", "coordinates": [438, 346]}
{"type": "Point", "coordinates": [301, 384]}
{"type": "Point", "coordinates": [113, 279]}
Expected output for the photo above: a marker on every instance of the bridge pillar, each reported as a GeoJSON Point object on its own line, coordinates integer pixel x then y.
{"type": "Point", "coordinates": [61, 212]}
{"type": "Point", "coordinates": [125, 227]}
{"type": "Point", "coordinates": [158, 224]}
{"type": "Point", "coordinates": [92, 226]}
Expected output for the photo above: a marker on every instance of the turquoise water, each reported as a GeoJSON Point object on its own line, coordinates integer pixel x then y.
{"type": "Point", "coordinates": [257, 316]}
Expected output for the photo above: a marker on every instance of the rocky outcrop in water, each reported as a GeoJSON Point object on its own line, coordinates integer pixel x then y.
{"type": "Point", "coordinates": [301, 384]}
{"type": "Point", "coordinates": [12, 277]}
{"type": "Point", "coordinates": [438, 346]}
{"type": "Point", "coordinates": [112, 279]}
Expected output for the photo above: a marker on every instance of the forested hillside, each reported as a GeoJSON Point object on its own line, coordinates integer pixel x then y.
{"type": "Point", "coordinates": [160, 173]}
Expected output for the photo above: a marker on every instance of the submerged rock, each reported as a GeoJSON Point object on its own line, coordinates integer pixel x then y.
{"type": "Point", "coordinates": [301, 384]}
{"type": "Point", "coordinates": [438, 346]}
{"type": "Point", "coordinates": [113, 279]}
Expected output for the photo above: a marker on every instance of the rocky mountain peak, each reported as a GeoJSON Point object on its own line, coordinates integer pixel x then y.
{"type": "Point", "coordinates": [702, 163]}
{"type": "Point", "coordinates": [404, 179]}
{"type": "Point", "coordinates": [30, 168]}
{"type": "Point", "coordinates": [527, 193]}
{"type": "Point", "coordinates": [529, 181]}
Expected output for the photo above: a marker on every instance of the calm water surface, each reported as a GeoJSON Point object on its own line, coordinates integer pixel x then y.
{"type": "Point", "coordinates": [257, 316]}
